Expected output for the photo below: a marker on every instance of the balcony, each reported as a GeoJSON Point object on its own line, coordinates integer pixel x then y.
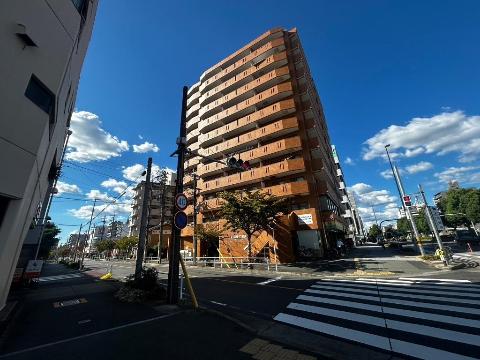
{"type": "Point", "coordinates": [273, 61]}
{"type": "Point", "coordinates": [189, 210]}
{"type": "Point", "coordinates": [271, 95]}
{"type": "Point", "coordinates": [339, 172]}
{"type": "Point", "coordinates": [341, 185]}
{"type": "Point", "coordinates": [277, 148]}
{"type": "Point", "coordinates": [192, 162]}
{"type": "Point", "coordinates": [192, 135]}
{"type": "Point", "coordinates": [194, 146]}
{"type": "Point", "coordinates": [193, 89]}
{"type": "Point", "coordinates": [248, 122]}
{"type": "Point", "coordinates": [283, 168]}
{"type": "Point", "coordinates": [193, 99]}
{"type": "Point", "coordinates": [276, 129]}
{"type": "Point", "coordinates": [192, 111]}
{"type": "Point", "coordinates": [344, 199]}
{"type": "Point", "coordinates": [259, 54]}
{"type": "Point", "coordinates": [193, 121]}
{"type": "Point", "coordinates": [271, 78]}
{"type": "Point", "coordinates": [283, 190]}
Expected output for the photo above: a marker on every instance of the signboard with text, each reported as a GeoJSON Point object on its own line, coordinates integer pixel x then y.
{"type": "Point", "coordinates": [305, 219]}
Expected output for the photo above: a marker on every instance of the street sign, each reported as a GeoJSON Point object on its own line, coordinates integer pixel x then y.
{"type": "Point", "coordinates": [436, 218]}
{"type": "Point", "coordinates": [34, 267]}
{"type": "Point", "coordinates": [407, 201]}
{"type": "Point", "coordinates": [180, 220]}
{"type": "Point", "coordinates": [181, 201]}
{"type": "Point", "coordinates": [305, 219]}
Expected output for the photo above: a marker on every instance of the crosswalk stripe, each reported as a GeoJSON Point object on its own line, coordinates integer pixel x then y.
{"type": "Point", "coordinates": [389, 292]}
{"type": "Point", "coordinates": [400, 302]}
{"type": "Point", "coordinates": [419, 319]}
{"type": "Point", "coordinates": [394, 311]}
{"type": "Point", "coordinates": [391, 324]}
{"type": "Point", "coordinates": [441, 286]}
{"type": "Point", "coordinates": [355, 335]}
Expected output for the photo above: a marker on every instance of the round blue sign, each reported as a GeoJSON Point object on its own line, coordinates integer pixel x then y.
{"type": "Point", "coordinates": [180, 220]}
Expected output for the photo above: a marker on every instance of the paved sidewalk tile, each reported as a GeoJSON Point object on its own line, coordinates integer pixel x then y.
{"type": "Point", "coordinates": [264, 350]}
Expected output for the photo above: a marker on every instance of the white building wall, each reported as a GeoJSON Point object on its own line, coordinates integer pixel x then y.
{"type": "Point", "coordinates": [28, 143]}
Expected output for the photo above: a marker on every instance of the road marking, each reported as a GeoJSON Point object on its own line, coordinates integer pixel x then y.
{"type": "Point", "coordinates": [441, 280]}
{"type": "Point", "coordinates": [84, 321]}
{"type": "Point", "coordinates": [59, 277]}
{"type": "Point", "coordinates": [269, 281]}
{"type": "Point", "coordinates": [34, 348]}
{"type": "Point", "coordinates": [218, 303]}
{"type": "Point", "coordinates": [60, 304]}
{"type": "Point", "coordinates": [413, 328]}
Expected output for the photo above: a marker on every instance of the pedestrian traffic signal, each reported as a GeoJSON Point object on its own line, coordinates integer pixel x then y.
{"type": "Point", "coordinates": [407, 201]}
{"type": "Point", "coordinates": [238, 164]}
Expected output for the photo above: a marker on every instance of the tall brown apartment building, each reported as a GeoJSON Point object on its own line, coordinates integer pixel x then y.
{"type": "Point", "coordinates": [260, 104]}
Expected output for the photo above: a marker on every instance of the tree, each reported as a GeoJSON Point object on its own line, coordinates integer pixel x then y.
{"type": "Point", "coordinates": [403, 226]}
{"type": "Point", "coordinates": [49, 240]}
{"type": "Point", "coordinates": [251, 212]}
{"type": "Point", "coordinates": [208, 232]}
{"type": "Point", "coordinates": [374, 231]}
{"type": "Point", "coordinates": [105, 245]}
{"type": "Point", "coordinates": [471, 200]}
{"type": "Point", "coordinates": [126, 244]}
{"type": "Point", "coordinates": [461, 206]}
{"type": "Point", "coordinates": [422, 222]}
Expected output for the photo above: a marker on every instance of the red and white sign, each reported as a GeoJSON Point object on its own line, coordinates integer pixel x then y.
{"type": "Point", "coordinates": [33, 269]}
{"type": "Point", "coordinates": [407, 201]}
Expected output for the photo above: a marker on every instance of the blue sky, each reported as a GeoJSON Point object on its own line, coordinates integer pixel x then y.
{"type": "Point", "coordinates": [399, 72]}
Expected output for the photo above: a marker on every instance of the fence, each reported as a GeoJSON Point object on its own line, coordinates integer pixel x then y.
{"type": "Point", "coordinates": [258, 263]}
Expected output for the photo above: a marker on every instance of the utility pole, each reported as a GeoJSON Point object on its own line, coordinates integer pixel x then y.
{"type": "Point", "coordinates": [104, 221]}
{"type": "Point", "coordinates": [143, 222]}
{"type": "Point", "coordinates": [77, 242]}
{"type": "Point", "coordinates": [375, 215]}
{"type": "Point", "coordinates": [432, 223]}
{"type": "Point", "coordinates": [409, 213]}
{"type": "Point", "coordinates": [163, 180]}
{"type": "Point", "coordinates": [195, 210]}
{"type": "Point", "coordinates": [88, 234]}
{"type": "Point", "coordinates": [113, 228]}
{"type": "Point", "coordinates": [174, 249]}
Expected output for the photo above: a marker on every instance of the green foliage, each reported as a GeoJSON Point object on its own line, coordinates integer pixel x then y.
{"type": "Point", "coordinates": [105, 245]}
{"type": "Point", "coordinates": [148, 279]}
{"type": "Point", "coordinates": [422, 222]}
{"type": "Point", "coordinates": [126, 244]}
{"type": "Point", "coordinates": [403, 226]}
{"type": "Point", "coordinates": [49, 240]}
{"type": "Point", "coordinates": [145, 288]}
{"type": "Point", "coordinates": [208, 232]}
{"type": "Point", "coordinates": [431, 257]}
{"type": "Point", "coordinates": [374, 231]}
{"type": "Point", "coordinates": [463, 205]}
{"type": "Point", "coordinates": [251, 212]}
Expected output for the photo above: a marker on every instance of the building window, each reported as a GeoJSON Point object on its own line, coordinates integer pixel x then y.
{"type": "Point", "coordinates": [4, 201]}
{"type": "Point", "coordinates": [41, 96]}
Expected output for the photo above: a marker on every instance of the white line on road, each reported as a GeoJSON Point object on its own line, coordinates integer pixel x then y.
{"type": "Point", "coordinates": [87, 335]}
{"type": "Point", "coordinates": [218, 303]}
{"type": "Point", "coordinates": [441, 280]}
{"type": "Point", "coordinates": [269, 281]}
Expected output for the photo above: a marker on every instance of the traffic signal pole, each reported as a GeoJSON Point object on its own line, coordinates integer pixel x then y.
{"type": "Point", "coordinates": [174, 249]}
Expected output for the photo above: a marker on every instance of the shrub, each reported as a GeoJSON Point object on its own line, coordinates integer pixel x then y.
{"type": "Point", "coordinates": [145, 288]}
{"type": "Point", "coordinates": [431, 257]}
{"type": "Point", "coordinates": [147, 281]}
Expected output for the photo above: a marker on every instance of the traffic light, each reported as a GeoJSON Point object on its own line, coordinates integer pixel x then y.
{"type": "Point", "coordinates": [407, 201]}
{"type": "Point", "coordinates": [239, 164]}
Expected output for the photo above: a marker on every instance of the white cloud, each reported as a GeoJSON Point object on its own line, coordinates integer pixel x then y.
{"type": "Point", "coordinates": [133, 172]}
{"type": "Point", "coordinates": [361, 188]}
{"type": "Point", "coordinates": [463, 174]}
{"type": "Point", "coordinates": [97, 194]}
{"type": "Point", "coordinates": [115, 185]}
{"type": "Point", "coordinates": [349, 161]}
{"type": "Point", "coordinates": [84, 212]}
{"type": "Point", "coordinates": [140, 137]}
{"type": "Point", "coordinates": [145, 147]}
{"type": "Point", "coordinates": [387, 174]}
{"type": "Point", "coordinates": [63, 187]}
{"type": "Point", "coordinates": [448, 132]}
{"type": "Point", "coordinates": [90, 142]}
{"type": "Point", "coordinates": [419, 167]}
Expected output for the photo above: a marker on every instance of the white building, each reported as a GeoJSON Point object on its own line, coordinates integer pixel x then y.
{"type": "Point", "coordinates": [42, 45]}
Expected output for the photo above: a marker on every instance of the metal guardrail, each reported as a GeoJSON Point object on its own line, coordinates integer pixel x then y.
{"type": "Point", "coordinates": [233, 262]}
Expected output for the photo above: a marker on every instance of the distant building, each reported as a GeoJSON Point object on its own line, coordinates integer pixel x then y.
{"type": "Point", "coordinates": [161, 200]}
{"type": "Point", "coordinates": [42, 46]}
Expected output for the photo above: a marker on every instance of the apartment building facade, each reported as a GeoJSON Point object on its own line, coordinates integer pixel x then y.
{"type": "Point", "coordinates": [260, 104]}
{"type": "Point", "coordinates": [161, 200]}
{"type": "Point", "coordinates": [43, 44]}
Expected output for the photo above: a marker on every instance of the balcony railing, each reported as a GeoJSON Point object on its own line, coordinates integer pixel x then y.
{"type": "Point", "coordinates": [192, 110]}
{"type": "Point", "coordinates": [192, 122]}
{"type": "Point", "coordinates": [271, 78]}
{"type": "Point", "coordinates": [278, 128]}
{"type": "Point", "coordinates": [275, 60]}
{"type": "Point", "coordinates": [275, 93]}
{"type": "Point", "coordinates": [282, 168]}
{"type": "Point", "coordinates": [274, 149]}
{"type": "Point", "coordinates": [241, 64]}
{"type": "Point", "coordinates": [250, 121]}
